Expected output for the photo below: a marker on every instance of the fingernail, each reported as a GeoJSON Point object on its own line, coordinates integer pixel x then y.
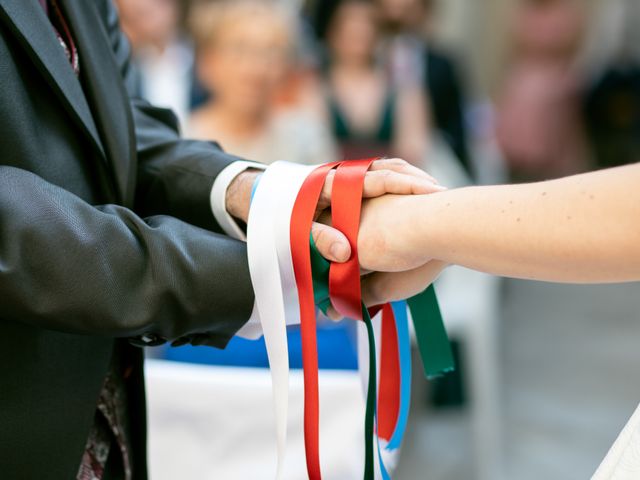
{"type": "Point", "coordinates": [338, 252]}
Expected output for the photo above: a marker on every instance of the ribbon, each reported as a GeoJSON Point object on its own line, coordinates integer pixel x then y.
{"type": "Point", "coordinates": [291, 277]}
{"type": "Point", "coordinates": [431, 336]}
{"type": "Point", "coordinates": [344, 278]}
{"type": "Point", "coordinates": [271, 269]}
{"type": "Point", "coordinates": [389, 390]}
{"type": "Point", "coordinates": [301, 220]}
{"type": "Point", "coordinates": [404, 354]}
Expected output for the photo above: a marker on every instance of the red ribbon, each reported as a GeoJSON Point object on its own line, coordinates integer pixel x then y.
{"type": "Point", "coordinates": [346, 204]}
{"type": "Point", "coordinates": [345, 293]}
{"type": "Point", "coordinates": [301, 221]}
{"type": "Point", "coordinates": [389, 388]}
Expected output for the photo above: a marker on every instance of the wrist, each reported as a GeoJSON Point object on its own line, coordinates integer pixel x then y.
{"type": "Point", "coordinates": [443, 220]}
{"type": "Point", "coordinates": [412, 234]}
{"type": "Point", "coordinates": [238, 195]}
{"type": "Point", "coordinates": [387, 239]}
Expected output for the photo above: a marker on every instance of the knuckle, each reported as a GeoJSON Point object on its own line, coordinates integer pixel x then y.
{"type": "Point", "coordinates": [319, 234]}
{"type": "Point", "coordinates": [397, 162]}
{"type": "Point", "coordinates": [394, 161]}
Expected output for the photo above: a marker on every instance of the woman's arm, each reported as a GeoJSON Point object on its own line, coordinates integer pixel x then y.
{"type": "Point", "coordinates": [581, 229]}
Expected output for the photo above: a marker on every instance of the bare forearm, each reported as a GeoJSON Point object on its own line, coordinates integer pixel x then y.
{"type": "Point", "coordinates": [579, 229]}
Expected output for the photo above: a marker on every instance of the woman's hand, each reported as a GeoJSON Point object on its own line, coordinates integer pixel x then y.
{"type": "Point", "coordinates": [387, 228]}
{"type": "Point", "coordinates": [386, 176]}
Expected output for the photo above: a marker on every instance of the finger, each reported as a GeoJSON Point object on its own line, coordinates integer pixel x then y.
{"type": "Point", "coordinates": [381, 182]}
{"type": "Point", "coordinates": [325, 196]}
{"type": "Point", "coordinates": [400, 166]}
{"type": "Point", "coordinates": [376, 288]}
{"type": "Point", "coordinates": [379, 288]}
{"type": "Point", "coordinates": [324, 216]}
{"type": "Point", "coordinates": [421, 182]}
{"type": "Point", "coordinates": [331, 243]}
{"type": "Point", "coordinates": [333, 314]}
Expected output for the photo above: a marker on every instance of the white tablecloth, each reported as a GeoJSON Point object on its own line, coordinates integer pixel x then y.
{"type": "Point", "coordinates": [217, 423]}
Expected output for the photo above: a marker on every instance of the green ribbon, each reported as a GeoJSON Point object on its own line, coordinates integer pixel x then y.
{"type": "Point", "coordinates": [431, 336]}
{"type": "Point", "coordinates": [320, 274]}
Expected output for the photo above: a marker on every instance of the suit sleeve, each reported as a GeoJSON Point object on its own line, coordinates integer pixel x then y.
{"type": "Point", "coordinates": [102, 270]}
{"type": "Point", "coordinates": [175, 176]}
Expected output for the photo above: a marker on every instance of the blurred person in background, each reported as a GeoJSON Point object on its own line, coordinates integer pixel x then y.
{"type": "Point", "coordinates": [540, 128]}
{"type": "Point", "coordinates": [613, 98]}
{"type": "Point", "coordinates": [369, 116]}
{"type": "Point", "coordinates": [245, 64]}
{"type": "Point", "coordinates": [163, 56]}
{"type": "Point", "coordinates": [413, 58]}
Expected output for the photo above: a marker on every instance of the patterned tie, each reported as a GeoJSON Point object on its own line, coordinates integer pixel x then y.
{"type": "Point", "coordinates": [62, 32]}
{"type": "Point", "coordinates": [109, 429]}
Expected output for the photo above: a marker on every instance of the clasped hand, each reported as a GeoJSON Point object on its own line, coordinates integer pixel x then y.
{"type": "Point", "coordinates": [390, 271]}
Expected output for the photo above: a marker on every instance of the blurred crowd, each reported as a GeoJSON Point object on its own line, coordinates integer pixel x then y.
{"type": "Point", "coordinates": [305, 82]}
{"type": "Point", "coordinates": [314, 81]}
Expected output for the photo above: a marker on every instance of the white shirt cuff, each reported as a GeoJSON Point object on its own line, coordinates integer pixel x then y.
{"type": "Point", "coordinates": [219, 195]}
{"type": "Point", "coordinates": [252, 330]}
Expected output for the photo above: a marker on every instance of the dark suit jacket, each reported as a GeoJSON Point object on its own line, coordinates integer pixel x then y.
{"type": "Point", "coordinates": [105, 234]}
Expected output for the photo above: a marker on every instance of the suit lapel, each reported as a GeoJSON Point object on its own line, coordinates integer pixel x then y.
{"type": "Point", "coordinates": [105, 89]}
{"type": "Point", "coordinates": [29, 23]}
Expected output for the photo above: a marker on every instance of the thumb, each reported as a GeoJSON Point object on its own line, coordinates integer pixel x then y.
{"type": "Point", "coordinates": [332, 244]}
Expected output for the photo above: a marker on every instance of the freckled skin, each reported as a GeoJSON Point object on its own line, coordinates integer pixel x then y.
{"type": "Point", "coordinates": [586, 231]}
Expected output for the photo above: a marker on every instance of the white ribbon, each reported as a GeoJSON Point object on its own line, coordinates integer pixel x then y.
{"type": "Point", "coordinates": [273, 279]}
{"type": "Point", "coordinates": [292, 177]}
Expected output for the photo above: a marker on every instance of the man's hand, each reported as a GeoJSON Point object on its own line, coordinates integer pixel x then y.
{"type": "Point", "coordinates": [379, 288]}
{"type": "Point", "coordinates": [383, 287]}
{"type": "Point", "coordinates": [386, 176]}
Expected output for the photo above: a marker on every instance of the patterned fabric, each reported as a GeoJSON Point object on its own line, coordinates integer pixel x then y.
{"type": "Point", "coordinates": [110, 425]}
{"type": "Point", "coordinates": [63, 33]}
{"type": "Point", "coordinates": [96, 451]}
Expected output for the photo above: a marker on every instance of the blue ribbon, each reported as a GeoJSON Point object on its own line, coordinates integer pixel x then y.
{"type": "Point", "coordinates": [404, 352]}
{"type": "Point", "coordinates": [256, 182]}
